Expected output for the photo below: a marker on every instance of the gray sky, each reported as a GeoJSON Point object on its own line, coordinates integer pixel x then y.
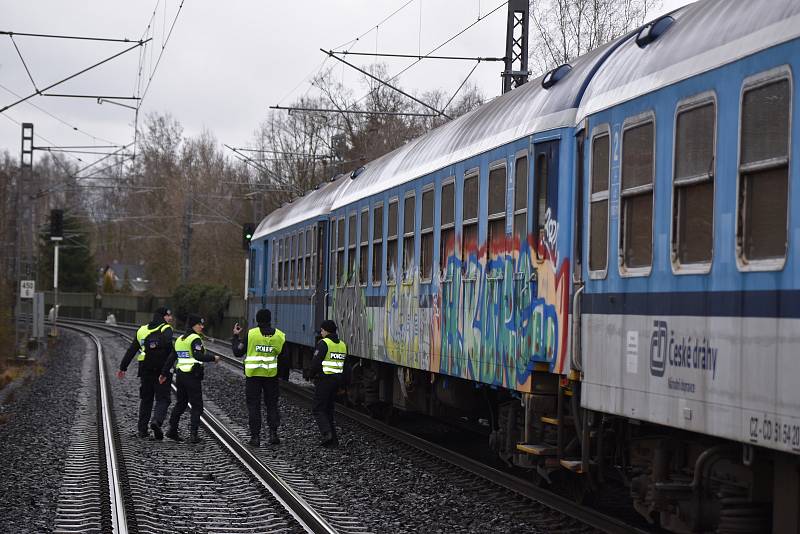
{"type": "Point", "coordinates": [225, 62]}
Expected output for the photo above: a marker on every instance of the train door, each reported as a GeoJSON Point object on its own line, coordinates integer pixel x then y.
{"type": "Point", "coordinates": [545, 198]}
{"type": "Point", "coordinates": [319, 297]}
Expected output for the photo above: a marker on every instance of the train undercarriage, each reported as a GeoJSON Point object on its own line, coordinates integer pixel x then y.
{"type": "Point", "coordinates": [682, 481]}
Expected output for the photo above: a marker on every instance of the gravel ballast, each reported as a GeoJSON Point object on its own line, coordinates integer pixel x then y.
{"type": "Point", "coordinates": [36, 433]}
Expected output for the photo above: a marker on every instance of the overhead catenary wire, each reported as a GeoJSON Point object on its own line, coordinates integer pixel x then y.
{"type": "Point", "coordinates": [76, 37]}
{"type": "Point", "coordinates": [414, 56]}
{"type": "Point", "coordinates": [140, 43]}
{"type": "Point", "coordinates": [387, 84]}
{"type": "Point", "coordinates": [59, 119]}
{"type": "Point", "coordinates": [19, 53]}
{"type": "Point", "coordinates": [355, 111]}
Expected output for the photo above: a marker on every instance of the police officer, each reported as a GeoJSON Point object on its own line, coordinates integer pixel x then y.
{"type": "Point", "coordinates": [260, 347]}
{"type": "Point", "coordinates": [151, 346]}
{"type": "Point", "coordinates": [188, 357]}
{"type": "Point", "coordinates": [327, 367]}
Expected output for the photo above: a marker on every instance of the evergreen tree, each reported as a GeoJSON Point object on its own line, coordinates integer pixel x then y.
{"type": "Point", "coordinates": [76, 267]}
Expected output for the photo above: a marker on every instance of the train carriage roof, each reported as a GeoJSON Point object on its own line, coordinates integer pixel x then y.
{"type": "Point", "coordinates": [524, 111]}
{"type": "Point", "coordinates": [308, 207]}
{"type": "Point", "coordinates": [705, 35]}
{"type": "Point", "coordinates": [516, 114]}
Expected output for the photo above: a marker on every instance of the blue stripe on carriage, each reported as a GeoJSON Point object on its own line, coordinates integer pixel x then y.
{"type": "Point", "coordinates": [767, 304]}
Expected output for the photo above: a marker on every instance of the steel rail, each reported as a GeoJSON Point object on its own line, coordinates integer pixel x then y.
{"type": "Point", "coordinates": [508, 481]}
{"type": "Point", "coordinates": [119, 521]}
{"type": "Point", "coordinates": [295, 504]}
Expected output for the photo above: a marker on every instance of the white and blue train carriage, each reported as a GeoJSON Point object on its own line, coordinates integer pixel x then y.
{"type": "Point", "coordinates": [690, 316]}
{"type": "Point", "coordinates": [602, 263]}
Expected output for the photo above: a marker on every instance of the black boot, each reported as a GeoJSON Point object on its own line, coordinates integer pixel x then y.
{"type": "Point", "coordinates": [157, 433]}
{"type": "Point", "coordinates": [326, 439]}
{"type": "Point", "coordinates": [172, 433]}
{"type": "Point", "coordinates": [193, 437]}
{"type": "Point", "coordinates": [273, 436]}
{"type": "Point", "coordinates": [254, 441]}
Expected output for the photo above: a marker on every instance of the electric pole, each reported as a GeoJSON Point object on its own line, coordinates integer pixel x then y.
{"type": "Point", "coordinates": [516, 64]}
{"type": "Point", "coordinates": [187, 236]}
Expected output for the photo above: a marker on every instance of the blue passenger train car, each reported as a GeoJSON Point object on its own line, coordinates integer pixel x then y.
{"type": "Point", "coordinates": [601, 263]}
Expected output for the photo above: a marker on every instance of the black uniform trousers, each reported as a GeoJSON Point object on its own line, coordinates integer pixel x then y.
{"type": "Point", "coordinates": [253, 388]}
{"type": "Point", "coordinates": [148, 390]}
{"type": "Point", "coordinates": [324, 402]}
{"type": "Point", "coordinates": [190, 390]}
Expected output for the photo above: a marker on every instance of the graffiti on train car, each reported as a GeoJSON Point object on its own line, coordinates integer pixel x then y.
{"type": "Point", "coordinates": [486, 317]}
{"type": "Point", "coordinates": [494, 327]}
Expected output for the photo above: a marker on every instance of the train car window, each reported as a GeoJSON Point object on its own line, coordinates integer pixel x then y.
{"type": "Point", "coordinates": [302, 280]}
{"type": "Point", "coordinates": [598, 205]}
{"type": "Point", "coordinates": [286, 256]}
{"type": "Point", "coordinates": [316, 268]}
{"type": "Point", "coordinates": [279, 260]}
{"type": "Point", "coordinates": [377, 243]}
{"type": "Point", "coordinates": [693, 183]}
{"type": "Point", "coordinates": [521, 201]}
{"type": "Point", "coordinates": [341, 274]}
{"type": "Point", "coordinates": [541, 190]}
{"type": "Point", "coordinates": [391, 244]}
{"type": "Point", "coordinates": [447, 226]}
{"type": "Point", "coordinates": [470, 223]}
{"type": "Point", "coordinates": [496, 232]}
{"type": "Point", "coordinates": [293, 263]}
{"type": "Point", "coordinates": [764, 171]}
{"type": "Point", "coordinates": [332, 261]}
{"type": "Point", "coordinates": [409, 205]}
{"type": "Point", "coordinates": [363, 250]}
{"type": "Point", "coordinates": [272, 266]}
{"type": "Point", "coordinates": [351, 249]}
{"type": "Point", "coordinates": [636, 213]}
{"type": "Point", "coordinates": [307, 277]}
{"type": "Point", "coordinates": [426, 237]}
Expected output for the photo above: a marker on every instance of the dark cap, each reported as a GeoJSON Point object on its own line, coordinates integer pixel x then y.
{"type": "Point", "coordinates": [161, 312]}
{"type": "Point", "coordinates": [193, 320]}
{"type": "Point", "coordinates": [263, 316]}
{"type": "Point", "coordinates": [328, 326]}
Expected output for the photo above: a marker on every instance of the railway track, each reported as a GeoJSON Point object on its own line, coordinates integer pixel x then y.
{"type": "Point", "coordinates": [553, 513]}
{"type": "Point", "coordinates": [117, 483]}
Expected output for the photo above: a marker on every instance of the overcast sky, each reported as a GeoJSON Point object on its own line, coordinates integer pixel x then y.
{"type": "Point", "coordinates": [225, 63]}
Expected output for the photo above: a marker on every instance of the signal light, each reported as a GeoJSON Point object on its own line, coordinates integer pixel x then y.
{"type": "Point", "coordinates": [56, 224]}
{"type": "Point", "coordinates": [248, 229]}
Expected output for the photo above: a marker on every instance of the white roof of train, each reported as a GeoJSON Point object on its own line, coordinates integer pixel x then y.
{"type": "Point", "coordinates": [705, 35]}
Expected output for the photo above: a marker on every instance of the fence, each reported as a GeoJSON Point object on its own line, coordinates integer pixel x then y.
{"type": "Point", "coordinates": [132, 309]}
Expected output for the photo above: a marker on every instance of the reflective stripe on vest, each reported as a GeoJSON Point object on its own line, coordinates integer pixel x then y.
{"type": "Point", "coordinates": [334, 359]}
{"type": "Point", "coordinates": [183, 348]}
{"type": "Point", "coordinates": [261, 358]}
{"type": "Point", "coordinates": [143, 333]}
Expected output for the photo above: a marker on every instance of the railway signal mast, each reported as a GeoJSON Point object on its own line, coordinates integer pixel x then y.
{"type": "Point", "coordinates": [24, 264]}
{"type": "Point", "coordinates": [56, 236]}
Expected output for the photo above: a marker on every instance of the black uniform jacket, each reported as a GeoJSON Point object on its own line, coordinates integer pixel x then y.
{"type": "Point", "coordinates": [158, 349]}
{"type": "Point", "coordinates": [320, 351]}
{"type": "Point", "coordinates": [199, 353]}
{"type": "Point", "coordinates": [239, 345]}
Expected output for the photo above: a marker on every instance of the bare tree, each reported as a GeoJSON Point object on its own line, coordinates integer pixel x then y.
{"type": "Point", "coordinates": [562, 30]}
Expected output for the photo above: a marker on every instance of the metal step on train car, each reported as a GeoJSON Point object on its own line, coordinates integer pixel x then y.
{"type": "Point", "coordinates": [602, 263]}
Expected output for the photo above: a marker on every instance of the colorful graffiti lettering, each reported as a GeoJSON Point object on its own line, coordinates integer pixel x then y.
{"type": "Point", "coordinates": [489, 317]}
